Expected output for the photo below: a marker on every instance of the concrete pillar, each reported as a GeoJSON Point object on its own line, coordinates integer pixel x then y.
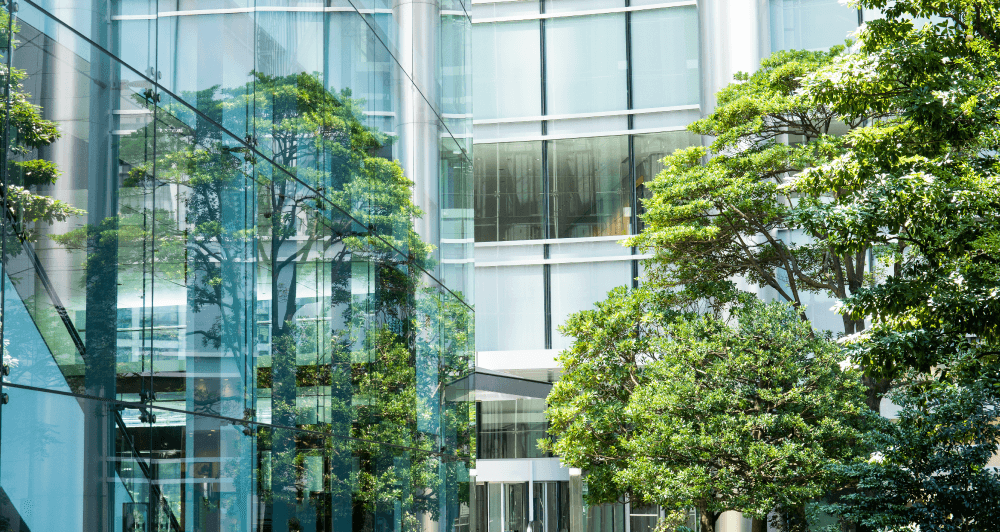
{"type": "Point", "coordinates": [735, 36]}
{"type": "Point", "coordinates": [418, 148]}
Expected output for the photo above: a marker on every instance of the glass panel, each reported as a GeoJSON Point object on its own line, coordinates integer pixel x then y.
{"type": "Point", "coordinates": [507, 79]}
{"type": "Point", "coordinates": [577, 287]}
{"type": "Point", "coordinates": [495, 505]}
{"type": "Point", "coordinates": [643, 518]}
{"type": "Point", "coordinates": [569, 6]}
{"type": "Point", "coordinates": [516, 499]}
{"type": "Point", "coordinates": [551, 506]}
{"type": "Point", "coordinates": [810, 24]}
{"type": "Point", "coordinates": [585, 64]}
{"type": "Point", "coordinates": [510, 319]}
{"type": "Point", "coordinates": [504, 9]}
{"type": "Point", "coordinates": [509, 191]}
{"type": "Point", "coordinates": [587, 249]}
{"type": "Point", "coordinates": [665, 57]}
{"type": "Point", "coordinates": [483, 507]}
{"type": "Point", "coordinates": [590, 187]}
{"type": "Point", "coordinates": [605, 518]}
{"type": "Point", "coordinates": [222, 288]}
{"type": "Point", "coordinates": [511, 429]}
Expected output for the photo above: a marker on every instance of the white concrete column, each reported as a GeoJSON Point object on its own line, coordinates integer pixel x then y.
{"type": "Point", "coordinates": [418, 24]}
{"type": "Point", "coordinates": [735, 36]}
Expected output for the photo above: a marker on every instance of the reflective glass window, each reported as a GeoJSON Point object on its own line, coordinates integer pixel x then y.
{"type": "Point", "coordinates": [577, 286]}
{"type": "Point", "coordinates": [585, 64]}
{"type": "Point", "coordinates": [590, 185]}
{"type": "Point", "coordinates": [510, 319]}
{"type": "Point", "coordinates": [511, 429]}
{"type": "Point", "coordinates": [649, 150]}
{"type": "Point", "coordinates": [665, 69]}
{"type": "Point", "coordinates": [508, 195]}
{"type": "Point", "coordinates": [570, 6]}
{"type": "Point", "coordinates": [507, 78]}
{"type": "Point", "coordinates": [209, 293]}
{"type": "Point", "coordinates": [810, 24]}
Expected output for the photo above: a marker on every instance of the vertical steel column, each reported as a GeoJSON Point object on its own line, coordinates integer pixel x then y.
{"type": "Point", "coordinates": [547, 221]}
{"type": "Point", "coordinates": [101, 280]}
{"type": "Point", "coordinates": [633, 191]}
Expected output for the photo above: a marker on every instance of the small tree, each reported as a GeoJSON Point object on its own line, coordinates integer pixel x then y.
{"type": "Point", "coordinates": [688, 410]}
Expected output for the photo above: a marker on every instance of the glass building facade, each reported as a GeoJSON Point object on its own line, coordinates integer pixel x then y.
{"type": "Point", "coordinates": [237, 263]}
{"type": "Point", "coordinates": [576, 103]}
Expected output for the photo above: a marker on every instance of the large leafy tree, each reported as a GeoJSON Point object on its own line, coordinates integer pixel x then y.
{"type": "Point", "coordinates": [710, 222]}
{"type": "Point", "coordinates": [732, 217]}
{"type": "Point", "coordinates": [922, 182]}
{"type": "Point", "coordinates": [682, 410]}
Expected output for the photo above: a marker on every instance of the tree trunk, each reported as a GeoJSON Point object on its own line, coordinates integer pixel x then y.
{"type": "Point", "coordinates": [758, 524]}
{"type": "Point", "coordinates": [876, 388]}
{"type": "Point", "coordinates": [706, 519]}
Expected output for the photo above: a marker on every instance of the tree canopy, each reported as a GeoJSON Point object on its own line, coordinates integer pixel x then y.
{"type": "Point", "coordinates": [693, 411]}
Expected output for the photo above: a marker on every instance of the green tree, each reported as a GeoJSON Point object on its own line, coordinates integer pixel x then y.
{"type": "Point", "coordinates": [682, 410]}
{"type": "Point", "coordinates": [931, 468]}
{"type": "Point", "coordinates": [709, 223]}
{"type": "Point", "coordinates": [921, 182]}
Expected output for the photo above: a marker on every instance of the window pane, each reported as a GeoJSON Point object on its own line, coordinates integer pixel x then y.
{"type": "Point", "coordinates": [590, 186]}
{"type": "Point", "coordinates": [511, 429]}
{"type": "Point", "coordinates": [665, 57]}
{"type": "Point", "coordinates": [507, 79]}
{"type": "Point", "coordinates": [577, 287]}
{"type": "Point", "coordinates": [508, 191]}
{"type": "Point", "coordinates": [810, 24]}
{"type": "Point", "coordinates": [569, 6]}
{"type": "Point", "coordinates": [512, 303]}
{"type": "Point", "coordinates": [651, 148]}
{"type": "Point", "coordinates": [585, 64]}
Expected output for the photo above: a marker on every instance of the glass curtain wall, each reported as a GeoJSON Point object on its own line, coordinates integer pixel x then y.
{"type": "Point", "coordinates": [218, 309]}
{"type": "Point", "coordinates": [553, 85]}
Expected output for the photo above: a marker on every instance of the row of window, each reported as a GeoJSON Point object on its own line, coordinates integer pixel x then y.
{"type": "Point", "coordinates": [586, 64]}
{"type": "Point", "coordinates": [589, 184]}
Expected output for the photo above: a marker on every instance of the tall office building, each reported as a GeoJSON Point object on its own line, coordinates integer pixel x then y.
{"type": "Point", "coordinates": [224, 306]}
{"type": "Point", "coordinates": [576, 102]}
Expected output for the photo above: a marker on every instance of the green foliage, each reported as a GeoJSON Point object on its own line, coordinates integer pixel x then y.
{"type": "Point", "coordinates": [684, 410]}
{"type": "Point", "coordinates": [710, 222]}
{"type": "Point", "coordinates": [920, 182]}
{"type": "Point", "coordinates": [931, 467]}
{"type": "Point", "coordinates": [27, 132]}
